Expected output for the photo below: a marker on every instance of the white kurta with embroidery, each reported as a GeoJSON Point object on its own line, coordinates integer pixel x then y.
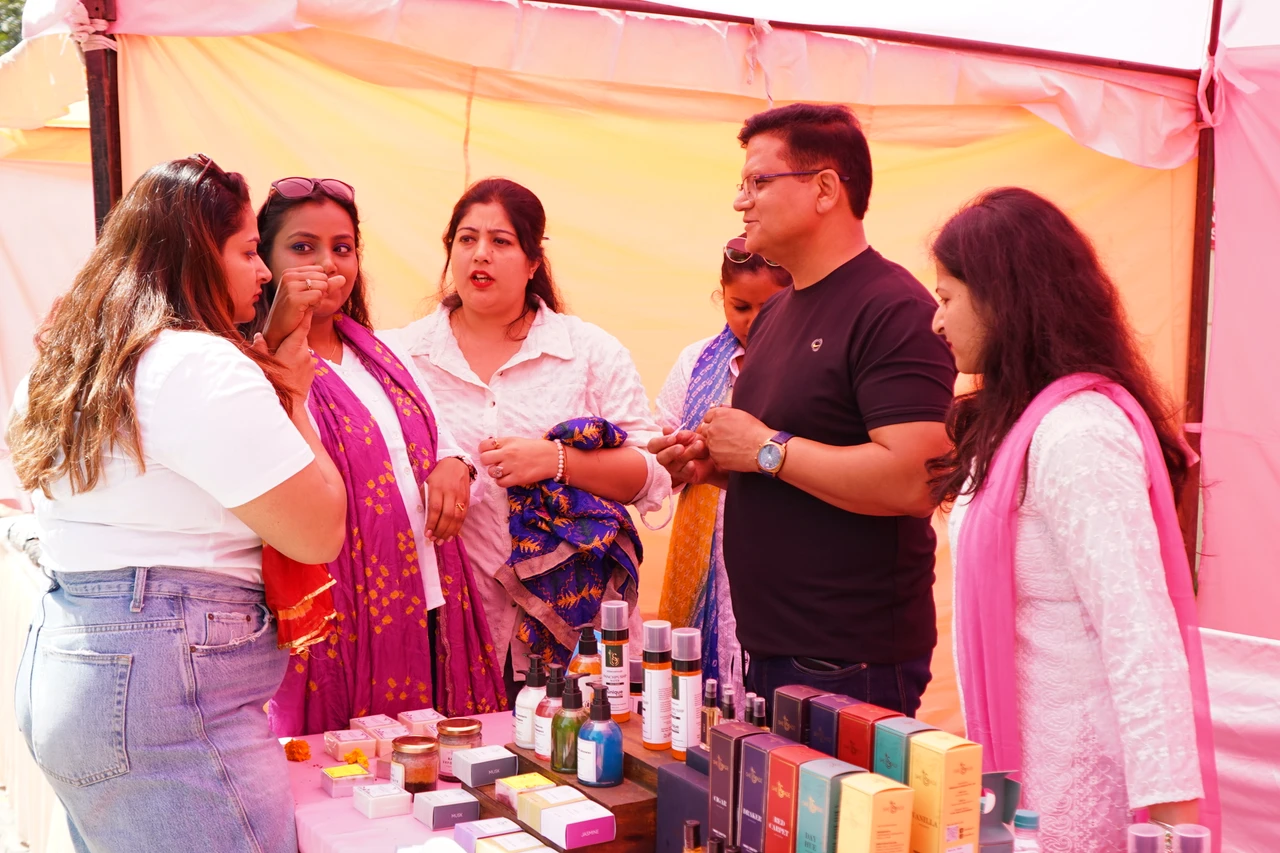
{"type": "Point", "coordinates": [1104, 698]}
{"type": "Point", "coordinates": [671, 414]}
{"type": "Point", "coordinates": [566, 368]}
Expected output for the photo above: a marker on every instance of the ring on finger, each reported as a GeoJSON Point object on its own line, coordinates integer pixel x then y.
{"type": "Point", "coordinates": [461, 507]}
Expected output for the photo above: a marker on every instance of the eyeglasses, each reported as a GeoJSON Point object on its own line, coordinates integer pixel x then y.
{"type": "Point", "coordinates": [736, 251]}
{"type": "Point", "coordinates": [295, 188]}
{"type": "Point", "coordinates": [207, 167]}
{"type": "Point", "coordinates": [751, 183]}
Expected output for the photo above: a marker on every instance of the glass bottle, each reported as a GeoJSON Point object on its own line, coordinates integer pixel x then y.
{"type": "Point", "coordinates": [600, 745]}
{"type": "Point", "coordinates": [564, 728]}
{"type": "Point", "coordinates": [586, 661]}
{"type": "Point", "coordinates": [546, 711]}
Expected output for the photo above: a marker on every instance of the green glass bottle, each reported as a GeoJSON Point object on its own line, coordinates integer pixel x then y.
{"type": "Point", "coordinates": [564, 728]}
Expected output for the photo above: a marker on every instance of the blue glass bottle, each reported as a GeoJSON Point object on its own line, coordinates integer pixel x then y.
{"type": "Point", "coordinates": [600, 745]}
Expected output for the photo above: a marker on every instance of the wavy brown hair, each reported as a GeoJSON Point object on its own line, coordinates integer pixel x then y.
{"type": "Point", "coordinates": [1050, 310]}
{"type": "Point", "coordinates": [158, 265]}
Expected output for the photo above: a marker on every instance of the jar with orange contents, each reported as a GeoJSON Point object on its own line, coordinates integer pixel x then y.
{"type": "Point", "coordinates": [415, 763]}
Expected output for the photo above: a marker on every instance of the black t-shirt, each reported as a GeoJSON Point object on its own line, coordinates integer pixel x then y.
{"type": "Point", "coordinates": [851, 353]}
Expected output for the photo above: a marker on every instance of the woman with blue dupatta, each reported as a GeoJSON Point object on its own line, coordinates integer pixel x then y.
{"type": "Point", "coordinates": [693, 595]}
{"type": "Point", "coordinates": [409, 630]}
{"type": "Point", "coordinates": [555, 409]}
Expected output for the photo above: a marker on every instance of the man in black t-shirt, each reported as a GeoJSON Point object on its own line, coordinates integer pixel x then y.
{"type": "Point", "coordinates": [841, 401]}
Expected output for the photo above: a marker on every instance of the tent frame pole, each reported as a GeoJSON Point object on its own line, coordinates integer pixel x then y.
{"type": "Point", "coordinates": [1190, 499]}
{"type": "Point", "coordinates": [104, 120]}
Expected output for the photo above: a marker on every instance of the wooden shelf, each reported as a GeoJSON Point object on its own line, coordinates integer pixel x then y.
{"type": "Point", "coordinates": [634, 803]}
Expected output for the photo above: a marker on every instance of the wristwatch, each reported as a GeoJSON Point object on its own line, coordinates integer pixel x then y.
{"type": "Point", "coordinates": [772, 454]}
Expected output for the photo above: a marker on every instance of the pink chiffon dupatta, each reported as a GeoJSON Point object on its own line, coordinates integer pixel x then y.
{"type": "Point", "coordinates": [986, 599]}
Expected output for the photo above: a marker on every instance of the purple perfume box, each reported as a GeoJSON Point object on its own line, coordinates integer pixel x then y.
{"type": "Point", "coordinates": [467, 834]}
{"type": "Point", "coordinates": [754, 788]}
{"type": "Point", "coordinates": [824, 720]}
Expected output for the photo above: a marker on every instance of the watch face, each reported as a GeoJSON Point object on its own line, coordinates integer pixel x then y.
{"type": "Point", "coordinates": [769, 457]}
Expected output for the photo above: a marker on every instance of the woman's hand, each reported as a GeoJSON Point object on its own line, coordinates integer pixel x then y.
{"type": "Point", "coordinates": [448, 498]}
{"type": "Point", "coordinates": [300, 290]}
{"type": "Point", "coordinates": [294, 354]}
{"type": "Point", "coordinates": [512, 461]}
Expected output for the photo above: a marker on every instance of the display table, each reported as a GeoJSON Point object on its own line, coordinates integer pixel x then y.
{"type": "Point", "coordinates": [332, 825]}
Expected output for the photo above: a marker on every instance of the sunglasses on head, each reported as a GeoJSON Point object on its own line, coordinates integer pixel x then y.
{"type": "Point", "coordinates": [736, 251]}
{"type": "Point", "coordinates": [295, 188]}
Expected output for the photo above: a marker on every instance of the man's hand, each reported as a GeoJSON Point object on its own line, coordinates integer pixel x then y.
{"type": "Point", "coordinates": [685, 456]}
{"type": "Point", "coordinates": [733, 438]}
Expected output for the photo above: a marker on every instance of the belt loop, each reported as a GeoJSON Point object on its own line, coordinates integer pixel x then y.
{"type": "Point", "coordinates": [139, 588]}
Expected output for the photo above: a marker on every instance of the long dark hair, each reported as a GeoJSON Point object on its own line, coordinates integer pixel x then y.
{"type": "Point", "coordinates": [1050, 310]}
{"type": "Point", "coordinates": [527, 216]}
{"type": "Point", "coordinates": [271, 219]}
{"type": "Point", "coordinates": [157, 266]}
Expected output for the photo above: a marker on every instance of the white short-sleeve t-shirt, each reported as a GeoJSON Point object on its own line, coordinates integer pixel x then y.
{"type": "Point", "coordinates": [214, 435]}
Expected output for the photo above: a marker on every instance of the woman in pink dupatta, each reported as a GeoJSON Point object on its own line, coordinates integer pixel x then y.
{"type": "Point", "coordinates": [409, 630]}
{"type": "Point", "coordinates": [1077, 645]}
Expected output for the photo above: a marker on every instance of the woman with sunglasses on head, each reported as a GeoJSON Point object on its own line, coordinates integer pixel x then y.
{"type": "Point", "coordinates": [411, 631]}
{"type": "Point", "coordinates": [163, 451]}
{"type": "Point", "coordinates": [1077, 646]}
{"type": "Point", "coordinates": [512, 371]}
{"type": "Point", "coordinates": [695, 589]}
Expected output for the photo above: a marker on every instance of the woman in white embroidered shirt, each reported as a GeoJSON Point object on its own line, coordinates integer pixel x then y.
{"type": "Point", "coordinates": [1078, 657]}
{"type": "Point", "coordinates": [507, 366]}
{"type": "Point", "coordinates": [161, 458]}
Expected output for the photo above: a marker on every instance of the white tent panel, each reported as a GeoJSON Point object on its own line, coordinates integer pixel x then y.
{"type": "Point", "coordinates": [1170, 33]}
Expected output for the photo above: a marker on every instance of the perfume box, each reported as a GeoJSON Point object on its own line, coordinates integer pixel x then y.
{"type": "Point", "coordinates": [509, 789]}
{"type": "Point", "coordinates": [857, 733]}
{"type": "Point", "coordinates": [893, 746]}
{"type": "Point", "coordinates": [683, 794]}
{"type": "Point", "coordinates": [485, 764]}
{"type": "Point", "coordinates": [578, 825]}
{"type": "Point", "coordinates": [824, 720]}
{"type": "Point", "coordinates": [531, 805]}
{"type": "Point", "coordinates": [1000, 798]}
{"type": "Point", "coordinates": [383, 800]}
{"type": "Point", "coordinates": [753, 788]}
{"type": "Point", "coordinates": [791, 711]}
{"type": "Point", "coordinates": [468, 833]}
{"type": "Point", "coordinates": [365, 723]}
{"type": "Point", "coordinates": [726, 770]}
{"type": "Point", "coordinates": [384, 735]}
{"type": "Point", "coordinates": [515, 842]}
{"type": "Point", "coordinates": [445, 809]}
{"type": "Point", "coordinates": [875, 815]}
{"type": "Point", "coordinates": [784, 791]}
{"type": "Point", "coordinates": [946, 775]}
{"type": "Point", "coordinates": [341, 780]}
{"type": "Point", "coordinates": [818, 805]}
{"type": "Point", "coordinates": [699, 759]}
{"type": "Point", "coordinates": [341, 742]}
{"type": "Point", "coordinates": [421, 722]}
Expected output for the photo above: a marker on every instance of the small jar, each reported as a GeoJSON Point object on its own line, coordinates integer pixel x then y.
{"type": "Point", "coordinates": [415, 763]}
{"type": "Point", "coordinates": [455, 734]}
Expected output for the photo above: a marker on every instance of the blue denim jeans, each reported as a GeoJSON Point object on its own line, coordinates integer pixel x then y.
{"type": "Point", "coordinates": [897, 687]}
{"type": "Point", "coordinates": [140, 695]}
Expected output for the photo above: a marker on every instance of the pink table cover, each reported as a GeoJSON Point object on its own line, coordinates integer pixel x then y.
{"type": "Point", "coordinates": [332, 825]}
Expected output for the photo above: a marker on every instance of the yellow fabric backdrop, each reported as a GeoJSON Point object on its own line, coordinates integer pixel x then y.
{"type": "Point", "coordinates": [638, 186]}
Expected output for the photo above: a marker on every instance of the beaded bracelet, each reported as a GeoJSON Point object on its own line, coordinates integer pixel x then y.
{"type": "Point", "coordinates": [559, 478]}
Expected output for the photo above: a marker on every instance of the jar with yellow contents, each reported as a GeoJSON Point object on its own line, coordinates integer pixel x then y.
{"type": "Point", "coordinates": [415, 763]}
{"type": "Point", "coordinates": [456, 734]}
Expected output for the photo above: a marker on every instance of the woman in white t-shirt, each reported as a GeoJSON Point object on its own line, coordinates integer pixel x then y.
{"type": "Point", "coordinates": [413, 632]}
{"type": "Point", "coordinates": [162, 451]}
